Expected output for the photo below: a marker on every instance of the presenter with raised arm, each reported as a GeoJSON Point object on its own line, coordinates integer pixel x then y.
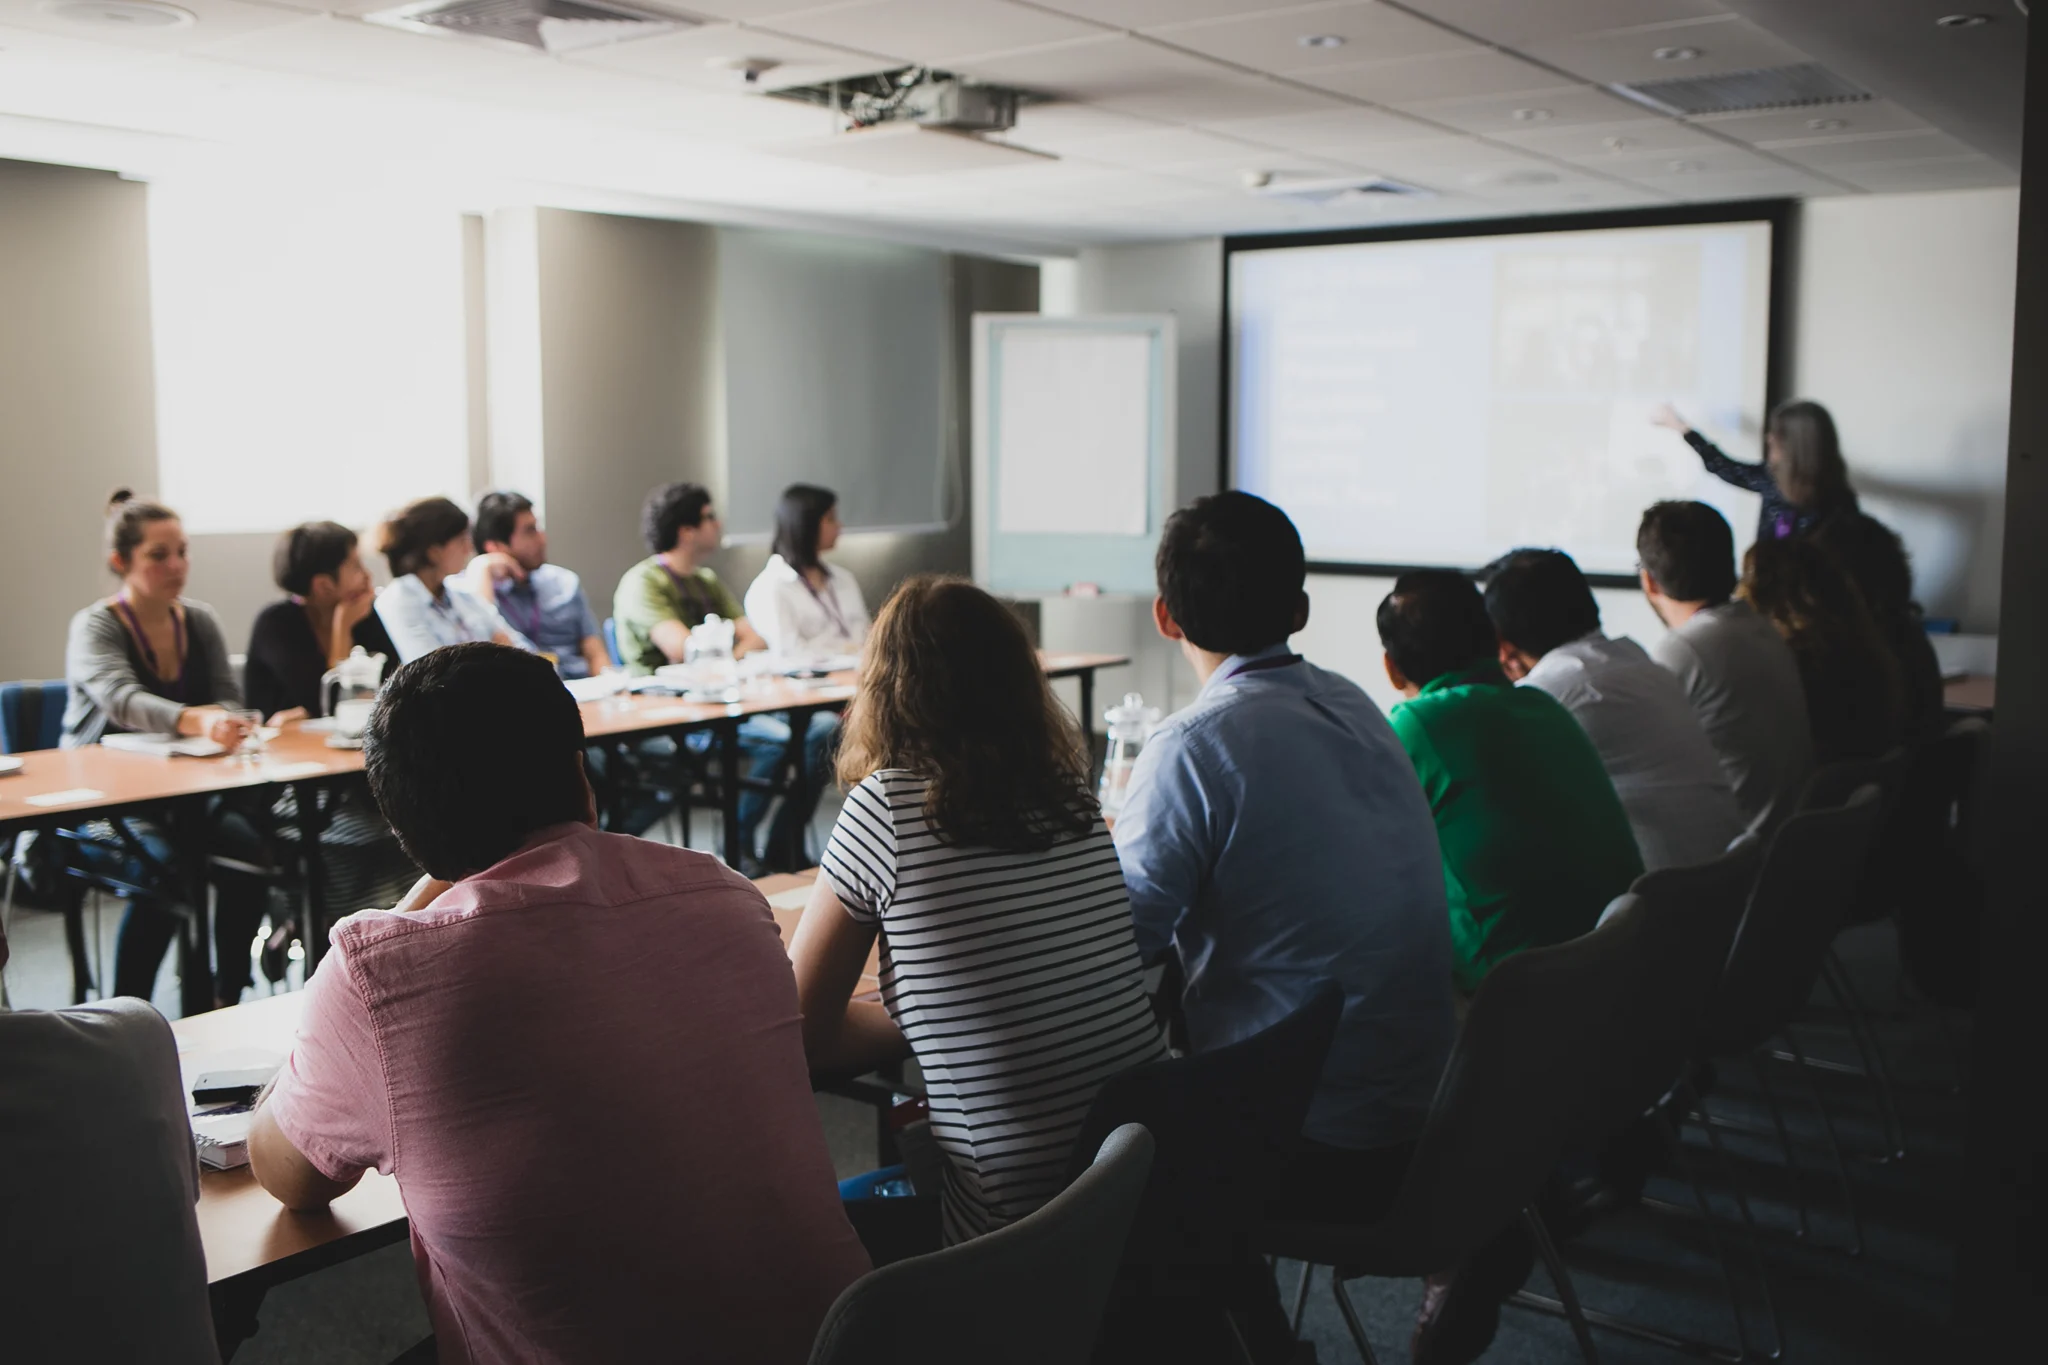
{"type": "Point", "coordinates": [1802, 478]}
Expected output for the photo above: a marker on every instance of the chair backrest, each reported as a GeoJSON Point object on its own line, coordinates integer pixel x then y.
{"type": "Point", "coordinates": [1801, 902]}
{"type": "Point", "coordinates": [1834, 783]}
{"type": "Point", "coordinates": [1677, 925]}
{"type": "Point", "coordinates": [1032, 1293]}
{"type": "Point", "coordinates": [31, 716]}
{"type": "Point", "coordinates": [1222, 1121]}
{"type": "Point", "coordinates": [611, 642]}
{"type": "Point", "coordinates": [1535, 1050]}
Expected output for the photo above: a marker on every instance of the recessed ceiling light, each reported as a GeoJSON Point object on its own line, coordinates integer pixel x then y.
{"type": "Point", "coordinates": [1530, 115]}
{"type": "Point", "coordinates": [1321, 40]}
{"type": "Point", "coordinates": [1827, 125]}
{"type": "Point", "coordinates": [1963, 20]}
{"type": "Point", "coordinates": [135, 14]}
{"type": "Point", "coordinates": [1676, 54]}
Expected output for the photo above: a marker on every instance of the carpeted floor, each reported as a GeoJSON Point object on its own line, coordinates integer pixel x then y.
{"type": "Point", "coordinates": [1890, 1303]}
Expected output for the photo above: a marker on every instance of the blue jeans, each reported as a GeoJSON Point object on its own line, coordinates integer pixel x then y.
{"type": "Point", "coordinates": [765, 740]}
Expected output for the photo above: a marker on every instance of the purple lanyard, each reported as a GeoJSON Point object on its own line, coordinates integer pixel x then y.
{"type": "Point", "coordinates": [532, 632]}
{"type": "Point", "coordinates": [1261, 665]}
{"type": "Point", "coordinates": [695, 596]}
{"type": "Point", "coordinates": [829, 603]}
{"type": "Point", "coordinates": [127, 614]}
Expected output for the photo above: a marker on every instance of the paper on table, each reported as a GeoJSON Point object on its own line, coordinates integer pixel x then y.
{"type": "Point", "coordinates": [1073, 432]}
{"type": "Point", "coordinates": [796, 898]}
{"type": "Point", "coordinates": [64, 798]}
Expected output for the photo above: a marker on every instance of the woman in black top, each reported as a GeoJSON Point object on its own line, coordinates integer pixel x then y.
{"type": "Point", "coordinates": [327, 613]}
{"type": "Point", "coordinates": [1855, 698]}
{"type": "Point", "coordinates": [329, 610]}
{"type": "Point", "coordinates": [1802, 479]}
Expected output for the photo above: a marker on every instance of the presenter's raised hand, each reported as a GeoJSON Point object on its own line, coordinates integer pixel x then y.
{"type": "Point", "coordinates": [1667, 416]}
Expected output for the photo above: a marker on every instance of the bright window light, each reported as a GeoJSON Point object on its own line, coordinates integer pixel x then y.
{"type": "Point", "coordinates": [309, 354]}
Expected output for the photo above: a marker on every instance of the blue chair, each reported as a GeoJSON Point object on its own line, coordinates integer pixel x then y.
{"type": "Point", "coordinates": [611, 642]}
{"type": "Point", "coordinates": [31, 716]}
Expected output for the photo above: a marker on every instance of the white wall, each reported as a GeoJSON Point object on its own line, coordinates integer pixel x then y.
{"type": "Point", "coordinates": [1902, 325]}
{"type": "Point", "coordinates": [1904, 309]}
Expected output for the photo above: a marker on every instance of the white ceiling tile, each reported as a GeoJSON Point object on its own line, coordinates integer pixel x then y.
{"type": "Point", "coordinates": [1162, 147]}
{"type": "Point", "coordinates": [1347, 127]}
{"type": "Point", "coordinates": [1718, 159]}
{"type": "Point", "coordinates": [1553, 108]}
{"type": "Point", "coordinates": [934, 31]}
{"type": "Point", "coordinates": [1061, 127]}
{"type": "Point", "coordinates": [1272, 41]}
{"type": "Point", "coordinates": [1094, 69]}
{"type": "Point", "coordinates": [1763, 184]}
{"type": "Point", "coordinates": [747, 11]}
{"type": "Point", "coordinates": [1913, 177]}
{"type": "Point", "coordinates": [695, 57]}
{"type": "Point", "coordinates": [217, 19]}
{"type": "Point", "coordinates": [1154, 13]}
{"type": "Point", "coordinates": [1833, 153]}
{"type": "Point", "coordinates": [1424, 80]}
{"type": "Point", "coordinates": [1597, 142]}
{"type": "Point", "coordinates": [1856, 118]}
{"type": "Point", "coordinates": [1221, 100]}
{"type": "Point", "coordinates": [1516, 21]}
{"type": "Point", "coordinates": [1625, 57]}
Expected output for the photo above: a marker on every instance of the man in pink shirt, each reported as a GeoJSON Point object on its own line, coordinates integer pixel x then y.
{"type": "Point", "coordinates": [579, 1053]}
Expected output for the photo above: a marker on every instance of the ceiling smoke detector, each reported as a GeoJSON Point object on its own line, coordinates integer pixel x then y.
{"type": "Point", "coordinates": [1676, 54]}
{"type": "Point", "coordinates": [130, 14]}
{"type": "Point", "coordinates": [551, 26]}
{"type": "Point", "coordinates": [1530, 115]}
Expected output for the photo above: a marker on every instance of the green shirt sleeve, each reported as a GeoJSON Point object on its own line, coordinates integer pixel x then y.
{"type": "Point", "coordinates": [644, 600]}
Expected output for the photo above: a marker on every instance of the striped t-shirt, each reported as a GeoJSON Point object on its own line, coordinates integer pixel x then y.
{"type": "Point", "coordinates": [1015, 978]}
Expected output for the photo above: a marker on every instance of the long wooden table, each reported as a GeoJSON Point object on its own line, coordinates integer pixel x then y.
{"type": "Point", "coordinates": [67, 786]}
{"type": "Point", "coordinates": [251, 1241]}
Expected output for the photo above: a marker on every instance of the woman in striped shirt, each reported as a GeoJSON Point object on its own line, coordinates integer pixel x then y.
{"type": "Point", "coordinates": [970, 843]}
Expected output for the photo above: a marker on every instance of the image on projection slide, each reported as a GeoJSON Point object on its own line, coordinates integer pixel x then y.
{"type": "Point", "coordinates": [1442, 401]}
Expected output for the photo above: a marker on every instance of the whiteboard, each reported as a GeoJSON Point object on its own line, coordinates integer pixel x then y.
{"type": "Point", "coordinates": [1073, 449]}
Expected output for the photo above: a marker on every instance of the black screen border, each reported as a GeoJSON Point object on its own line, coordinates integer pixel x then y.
{"type": "Point", "coordinates": [1777, 214]}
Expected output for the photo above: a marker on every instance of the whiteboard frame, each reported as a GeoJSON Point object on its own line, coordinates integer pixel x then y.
{"type": "Point", "coordinates": [1108, 561]}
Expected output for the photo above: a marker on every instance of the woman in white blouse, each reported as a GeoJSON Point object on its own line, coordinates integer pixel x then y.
{"type": "Point", "coordinates": [802, 606]}
{"type": "Point", "coordinates": [425, 606]}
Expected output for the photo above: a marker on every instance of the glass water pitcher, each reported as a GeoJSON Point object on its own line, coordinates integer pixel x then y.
{"type": "Point", "coordinates": [1130, 723]}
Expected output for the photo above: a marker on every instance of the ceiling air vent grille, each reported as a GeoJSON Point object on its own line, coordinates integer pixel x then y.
{"type": "Point", "coordinates": [1778, 87]}
{"type": "Point", "coordinates": [553, 26]}
{"type": "Point", "coordinates": [1333, 189]}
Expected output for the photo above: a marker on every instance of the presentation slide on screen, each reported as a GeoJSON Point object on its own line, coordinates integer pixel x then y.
{"type": "Point", "coordinates": [1441, 401]}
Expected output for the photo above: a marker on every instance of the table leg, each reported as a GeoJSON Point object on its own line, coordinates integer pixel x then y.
{"type": "Point", "coordinates": [729, 788]}
{"type": "Point", "coordinates": [234, 1315]}
{"type": "Point", "coordinates": [195, 964]}
{"type": "Point", "coordinates": [312, 823]}
{"type": "Point", "coordinates": [785, 858]}
{"type": "Point", "coordinates": [1087, 677]}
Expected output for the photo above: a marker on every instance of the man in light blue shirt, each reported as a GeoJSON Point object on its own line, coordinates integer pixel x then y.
{"type": "Point", "coordinates": [1275, 833]}
{"type": "Point", "coordinates": [544, 602]}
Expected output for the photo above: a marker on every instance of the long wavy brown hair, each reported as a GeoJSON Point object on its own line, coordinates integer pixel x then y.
{"type": "Point", "coordinates": [951, 690]}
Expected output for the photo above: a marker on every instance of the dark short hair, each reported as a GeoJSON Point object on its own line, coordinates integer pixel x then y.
{"type": "Point", "coordinates": [309, 550]}
{"type": "Point", "coordinates": [1690, 550]}
{"type": "Point", "coordinates": [1231, 569]}
{"type": "Point", "coordinates": [411, 533]}
{"type": "Point", "coordinates": [798, 514]}
{"type": "Point", "coordinates": [1434, 623]}
{"type": "Point", "coordinates": [497, 514]}
{"type": "Point", "coordinates": [470, 749]}
{"type": "Point", "coordinates": [1539, 600]}
{"type": "Point", "coordinates": [669, 510]}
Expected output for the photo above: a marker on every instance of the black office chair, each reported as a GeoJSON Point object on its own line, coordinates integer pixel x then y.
{"type": "Point", "coordinates": [1031, 1293]}
{"type": "Point", "coordinates": [1223, 1121]}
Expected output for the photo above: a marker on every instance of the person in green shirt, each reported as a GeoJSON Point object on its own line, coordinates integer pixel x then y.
{"type": "Point", "coordinates": [1535, 842]}
{"type": "Point", "coordinates": [669, 593]}
{"type": "Point", "coordinates": [659, 601]}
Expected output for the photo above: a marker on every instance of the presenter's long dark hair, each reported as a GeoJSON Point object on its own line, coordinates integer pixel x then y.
{"type": "Point", "coordinates": [1809, 469]}
{"type": "Point", "coordinates": [951, 690]}
{"type": "Point", "coordinates": [798, 515]}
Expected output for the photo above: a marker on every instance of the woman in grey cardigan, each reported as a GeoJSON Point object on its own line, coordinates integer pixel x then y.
{"type": "Point", "coordinates": [146, 660]}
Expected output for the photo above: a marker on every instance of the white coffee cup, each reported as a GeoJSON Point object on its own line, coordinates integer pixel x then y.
{"type": "Point", "coordinates": [352, 716]}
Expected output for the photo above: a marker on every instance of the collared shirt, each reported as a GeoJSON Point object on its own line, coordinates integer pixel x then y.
{"type": "Point", "coordinates": [585, 1068]}
{"type": "Point", "coordinates": [1273, 835]}
{"type": "Point", "coordinates": [420, 623]}
{"type": "Point", "coordinates": [1535, 842]}
{"type": "Point", "coordinates": [1743, 683]}
{"type": "Point", "coordinates": [650, 593]}
{"type": "Point", "coordinates": [549, 608]}
{"type": "Point", "coordinates": [799, 620]}
{"type": "Point", "coordinates": [1666, 773]}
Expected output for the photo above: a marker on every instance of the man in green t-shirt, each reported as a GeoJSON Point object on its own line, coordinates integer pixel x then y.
{"type": "Point", "coordinates": [1535, 842]}
{"type": "Point", "coordinates": [663, 597]}
{"type": "Point", "coordinates": [659, 601]}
